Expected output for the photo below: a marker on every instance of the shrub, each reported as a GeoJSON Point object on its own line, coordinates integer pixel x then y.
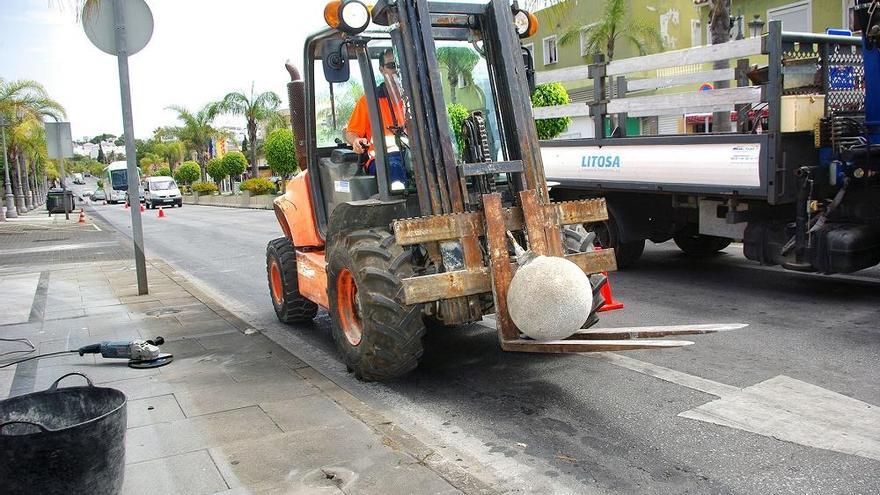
{"type": "Point", "coordinates": [100, 183]}
{"type": "Point", "coordinates": [258, 185]}
{"type": "Point", "coordinates": [187, 173]}
{"type": "Point", "coordinates": [204, 187]}
{"type": "Point", "coordinates": [457, 115]}
{"type": "Point", "coordinates": [163, 172]}
{"type": "Point", "coordinates": [235, 163]}
{"type": "Point", "coordinates": [216, 169]}
{"type": "Point", "coordinates": [281, 152]}
{"type": "Point", "coordinates": [548, 95]}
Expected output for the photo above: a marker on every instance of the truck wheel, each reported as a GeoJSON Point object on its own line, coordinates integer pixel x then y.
{"type": "Point", "coordinates": [290, 306]}
{"type": "Point", "coordinates": [699, 245]}
{"type": "Point", "coordinates": [608, 236]}
{"type": "Point", "coordinates": [378, 337]}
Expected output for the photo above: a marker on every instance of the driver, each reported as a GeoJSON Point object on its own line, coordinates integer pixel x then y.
{"type": "Point", "coordinates": [359, 133]}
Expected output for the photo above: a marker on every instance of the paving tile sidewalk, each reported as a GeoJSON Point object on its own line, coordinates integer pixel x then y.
{"type": "Point", "coordinates": [233, 413]}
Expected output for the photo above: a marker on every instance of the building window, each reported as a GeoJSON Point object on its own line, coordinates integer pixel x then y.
{"type": "Point", "coordinates": [583, 39]}
{"type": "Point", "coordinates": [795, 17]}
{"type": "Point", "coordinates": [550, 50]}
{"type": "Point", "coordinates": [696, 33]}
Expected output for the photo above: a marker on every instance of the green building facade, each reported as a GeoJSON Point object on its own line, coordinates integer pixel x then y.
{"type": "Point", "coordinates": [679, 23]}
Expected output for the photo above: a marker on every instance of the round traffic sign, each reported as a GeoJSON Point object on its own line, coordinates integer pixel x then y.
{"type": "Point", "coordinates": [707, 87]}
{"type": "Point", "coordinates": [99, 24]}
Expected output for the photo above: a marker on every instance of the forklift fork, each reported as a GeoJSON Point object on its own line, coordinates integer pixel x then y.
{"type": "Point", "coordinates": [542, 224]}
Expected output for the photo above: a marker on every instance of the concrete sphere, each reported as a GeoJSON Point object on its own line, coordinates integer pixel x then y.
{"type": "Point", "coordinates": [549, 298]}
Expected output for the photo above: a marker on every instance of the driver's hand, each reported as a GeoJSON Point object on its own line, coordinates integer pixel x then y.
{"type": "Point", "coordinates": [360, 145]}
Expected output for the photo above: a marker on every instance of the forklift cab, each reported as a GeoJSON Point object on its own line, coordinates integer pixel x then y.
{"type": "Point", "coordinates": [462, 119]}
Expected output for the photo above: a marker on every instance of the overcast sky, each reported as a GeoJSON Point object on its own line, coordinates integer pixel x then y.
{"type": "Point", "coordinates": [200, 50]}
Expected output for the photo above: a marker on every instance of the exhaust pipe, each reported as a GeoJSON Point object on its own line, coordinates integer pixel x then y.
{"type": "Point", "coordinates": [296, 97]}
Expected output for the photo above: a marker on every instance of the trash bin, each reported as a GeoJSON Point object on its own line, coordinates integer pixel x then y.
{"type": "Point", "coordinates": [54, 202]}
{"type": "Point", "coordinates": [63, 440]}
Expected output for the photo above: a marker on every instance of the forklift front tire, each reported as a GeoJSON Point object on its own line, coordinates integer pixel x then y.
{"type": "Point", "coordinates": [290, 306]}
{"type": "Point", "coordinates": [379, 337]}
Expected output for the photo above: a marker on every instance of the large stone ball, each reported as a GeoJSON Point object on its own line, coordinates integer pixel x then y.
{"type": "Point", "coordinates": [549, 298]}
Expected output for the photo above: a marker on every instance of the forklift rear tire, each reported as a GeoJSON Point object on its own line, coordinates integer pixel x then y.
{"type": "Point", "coordinates": [699, 245]}
{"type": "Point", "coordinates": [608, 236]}
{"type": "Point", "coordinates": [290, 306]}
{"type": "Point", "coordinates": [379, 337]}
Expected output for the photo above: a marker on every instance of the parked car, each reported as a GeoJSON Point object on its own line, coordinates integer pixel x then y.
{"type": "Point", "coordinates": [99, 196]}
{"type": "Point", "coordinates": [88, 193]}
{"type": "Point", "coordinates": [161, 191]}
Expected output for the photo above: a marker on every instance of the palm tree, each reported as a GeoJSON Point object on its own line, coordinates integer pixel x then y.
{"type": "Point", "coordinates": [256, 109]}
{"type": "Point", "coordinates": [24, 103]}
{"type": "Point", "coordinates": [459, 63]}
{"type": "Point", "coordinates": [196, 131]}
{"type": "Point", "coordinates": [614, 25]}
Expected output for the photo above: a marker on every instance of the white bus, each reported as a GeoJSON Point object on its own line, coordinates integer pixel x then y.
{"type": "Point", "coordinates": [116, 181]}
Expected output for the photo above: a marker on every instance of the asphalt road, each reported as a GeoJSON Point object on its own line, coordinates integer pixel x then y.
{"type": "Point", "coordinates": [604, 423]}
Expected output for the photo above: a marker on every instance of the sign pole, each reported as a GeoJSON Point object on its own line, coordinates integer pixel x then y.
{"type": "Point", "coordinates": [130, 154]}
{"type": "Point", "coordinates": [63, 176]}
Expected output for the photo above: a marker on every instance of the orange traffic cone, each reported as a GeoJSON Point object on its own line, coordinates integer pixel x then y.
{"type": "Point", "coordinates": [82, 216]}
{"type": "Point", "coordinates": [126, 205]}
{"type": "Point", "coordinates": [142, 207]}
{"type": "Point", "coordinates": [610, 303]}
{"type": "Point", "coordinates": [161, 212]}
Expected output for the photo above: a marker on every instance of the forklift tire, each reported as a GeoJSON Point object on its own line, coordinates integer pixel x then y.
{"type": "Point", "coordinates": [378, 337]}
{"type": "Point", "coordinates": [699, 245]}
{"type": "Point", "coordinates": [576, 240]}
{"type": "Point", "coordinates": [608, 236]}
{"type": "Point", "coordinates": [290, 306]}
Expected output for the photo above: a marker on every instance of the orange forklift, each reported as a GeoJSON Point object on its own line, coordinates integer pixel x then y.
{"type": "Point", "coordinates": [426, 228]}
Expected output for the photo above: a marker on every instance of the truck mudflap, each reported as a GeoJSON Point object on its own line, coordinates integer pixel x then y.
{"type": "Point", "coordinates": [541, 222]}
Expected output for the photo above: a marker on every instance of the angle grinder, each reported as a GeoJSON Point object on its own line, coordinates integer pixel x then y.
{"type": "Point", "coordinates": [140, 353]}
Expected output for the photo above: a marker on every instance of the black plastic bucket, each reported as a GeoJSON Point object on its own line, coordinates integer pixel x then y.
{"type": "Point", "coordinates": [63, 440]}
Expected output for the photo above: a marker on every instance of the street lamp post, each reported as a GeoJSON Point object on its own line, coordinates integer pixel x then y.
{"type": "Point", "coordinates": [10, 199]}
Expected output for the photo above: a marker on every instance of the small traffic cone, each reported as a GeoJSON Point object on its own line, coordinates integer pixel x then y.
{"type": "Point", "coordinates": [610, 303]}
{"type": "Point", "coordinates": [126, 205]}
{"type": "Point", "coordinates": [161, 212]}
{"type": "Point", "coordinates": [142, 207]}
{"type": "Point", "coordinates": [82, 216]}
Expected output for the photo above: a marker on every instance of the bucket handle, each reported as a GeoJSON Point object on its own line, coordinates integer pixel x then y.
{"type": "Point", "coordinates": [54, 385]}
{"type": "Point", "coordinates": [22, 422]}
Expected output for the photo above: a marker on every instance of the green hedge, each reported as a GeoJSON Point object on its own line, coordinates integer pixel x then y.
{"type": "Point", "coordinates": [204, 187]}
{"type": "Point", "coordinates": [258, 186]}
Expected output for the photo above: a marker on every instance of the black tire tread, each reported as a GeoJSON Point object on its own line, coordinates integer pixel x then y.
{"type": "Point", "coordinates": [294, 308]}
{"type": "Point", "coordinates": [391, 341]}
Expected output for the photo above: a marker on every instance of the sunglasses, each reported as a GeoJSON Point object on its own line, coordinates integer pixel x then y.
{"type": "Point", "coordinates": [390, 65]}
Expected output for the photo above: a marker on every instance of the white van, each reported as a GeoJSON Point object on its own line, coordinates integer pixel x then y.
{"type": "Point", "coordinates": [160, 191]}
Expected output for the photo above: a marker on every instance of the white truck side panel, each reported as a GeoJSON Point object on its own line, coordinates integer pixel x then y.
{"type": "Point", "coordinates": [728, 165]}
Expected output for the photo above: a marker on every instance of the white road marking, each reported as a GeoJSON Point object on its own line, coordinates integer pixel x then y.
{"type": "Point", "coordinates": [679, 378]}
{"type": "Point", "coordinates": [795, 411]}
{"type": "Point", "coordinates": [781, 408]}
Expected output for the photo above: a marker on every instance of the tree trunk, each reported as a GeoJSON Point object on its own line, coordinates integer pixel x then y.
{"type": "Point", "coordinates": [719, 22]}
{"type": "Point", "coordinates": [453, 82]}
{"type": "Point", "coordinates": [252, 135]}
{"type": "Point", "coordinates": [28, 197]}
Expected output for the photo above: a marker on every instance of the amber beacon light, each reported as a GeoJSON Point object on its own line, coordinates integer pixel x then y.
{"type": "Point", "coordinates": [526, 23]}
{"type": "Point", "coordinates": [348, 16]}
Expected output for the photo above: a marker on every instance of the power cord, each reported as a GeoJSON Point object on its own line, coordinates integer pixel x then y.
{"type": "Point", "coordinates": [37, 357]}
{"type": "Point", "coordinates": [27, 342]}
